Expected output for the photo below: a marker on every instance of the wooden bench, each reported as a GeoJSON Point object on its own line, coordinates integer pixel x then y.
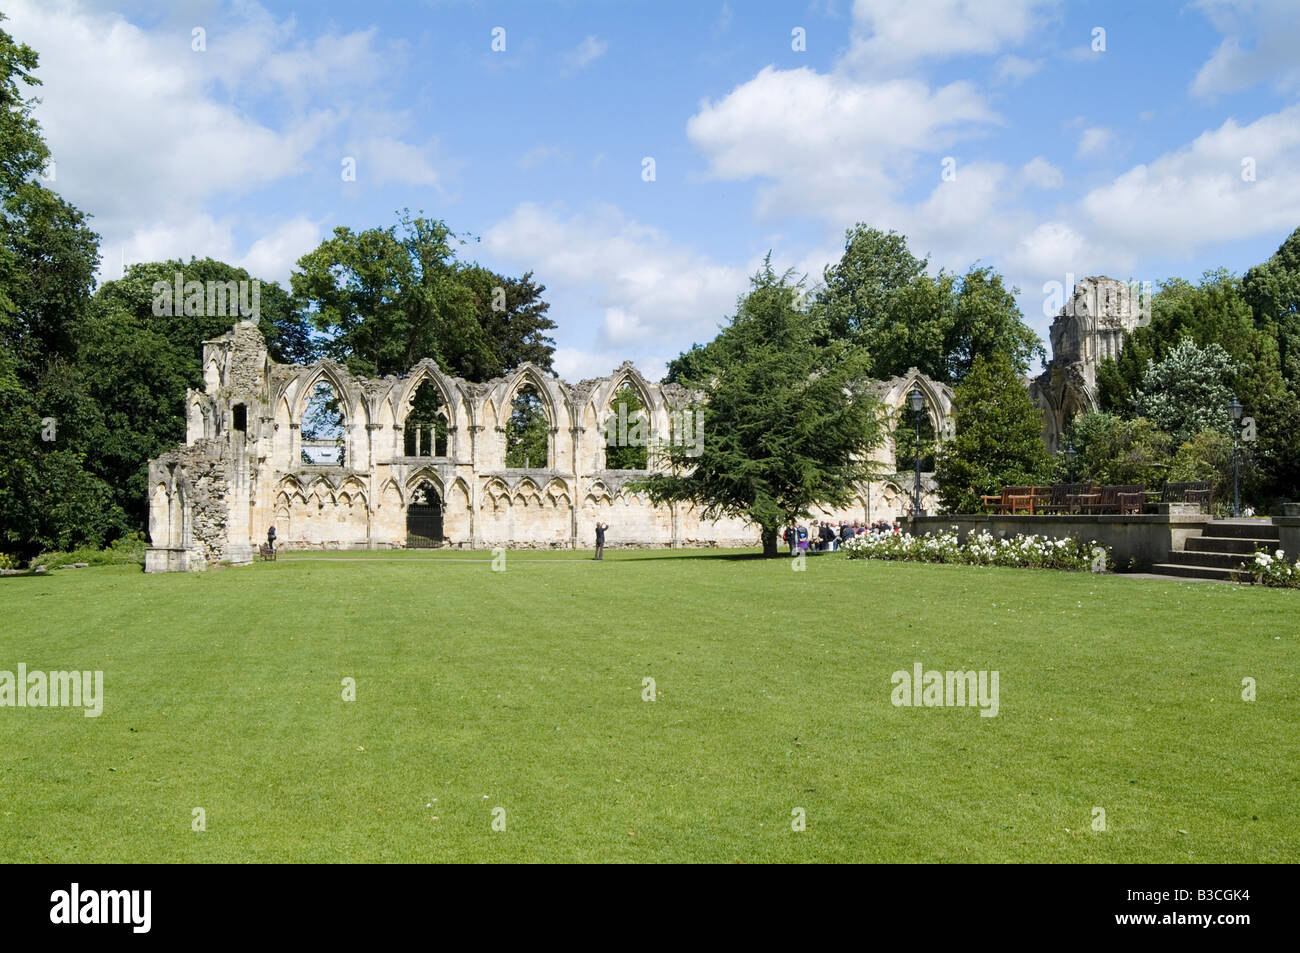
{"type": "Point", "coordinates": [266, 552]}
{"type": "Point", "coordinates": [994, 503]}
{"type": "Point", "coordinates": [1022, 499]}
{"type": "Point", "coordinates": [1200, 492]}
{"type": "Point", "coordinates": [1009, 500]}
{"type": "Point", "coordinates": [1062, 498]}
{"type": "Point", "coordinates": [1123, 499]}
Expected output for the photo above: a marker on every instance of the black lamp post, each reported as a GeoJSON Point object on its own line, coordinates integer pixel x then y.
{"type": "Point", "coordinates": [1235, 410]}
{"type": "Point", "coordinates": [1070, 454]}
{"type": "Point", "coordinates": [917, 402]}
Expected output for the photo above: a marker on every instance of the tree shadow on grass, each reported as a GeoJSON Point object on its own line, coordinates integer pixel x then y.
{"type": "Point", "coordinates": [705, 554]}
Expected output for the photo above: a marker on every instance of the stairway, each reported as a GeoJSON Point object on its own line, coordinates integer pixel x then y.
{"type": "Point", "coordinates": [1221, 549]}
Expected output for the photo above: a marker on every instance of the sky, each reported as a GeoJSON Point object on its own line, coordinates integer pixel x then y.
{"type": "Point", "coordinates": [642, 158]}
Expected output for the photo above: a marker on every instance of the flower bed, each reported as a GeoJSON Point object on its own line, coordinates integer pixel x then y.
{"type": "Point", "coordinates": [1272, 569]}
{"type": "Point", "coordinates": [981, 549]}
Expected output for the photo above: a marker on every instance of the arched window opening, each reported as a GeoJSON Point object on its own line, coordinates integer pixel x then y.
{"type": "Point", "coordinates": [527, 431]}
{"type": "Point", "coordinates": [424, 518]}
{"type": "Point", "coordinates": [425, 434]}
{"type": "Point", "coordinates": [905, 431]}
{"type": "Point", "coordinates": [627, 431]}
{"type": "Point", "coordinates": [241, 418]}
{"type": "Point", "coordinates": [322, 427]}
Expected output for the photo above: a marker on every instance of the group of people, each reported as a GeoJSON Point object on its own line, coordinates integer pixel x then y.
{"type": "Point", "coordinates": [825, 536]}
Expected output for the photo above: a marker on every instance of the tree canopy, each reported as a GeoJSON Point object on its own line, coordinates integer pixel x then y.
{"type": "Point", "coordinates": [998, 440]}
{"type": "Point", "coordinates": [787, 422]}
{"type": "Point", "coordinates": [879, 297]}
{"type": "Point", "coordinates": [387, 297]}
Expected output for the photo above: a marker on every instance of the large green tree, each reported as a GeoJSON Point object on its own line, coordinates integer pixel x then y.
{"type": "Point", "coordinates": [1116, 450]}
{"type": "Point", "coordinates": [879, 296]}
{"type": "Point", "coordinates": [1187, 391]}
{"type": "Point", "coordinates": [1216, 312]}
{"type": "Point", "coordinates": [49, 497]}
{"type": "Point", "coordinates": [140, 350]}
{"type": "Point", "coordinates": [787, 423]}
{"type": "Point", "coordinates": [998, 440]}
{"type": "Point", "coordinates": [512, 313]}
{"type": "Point", "coordinates": [1272, 290]}
{"type": "Point", "coordinates": [387, 297]}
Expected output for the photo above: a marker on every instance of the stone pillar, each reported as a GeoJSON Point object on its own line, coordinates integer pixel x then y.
{"type": "Point", "coordinates": [576, 434]}
{"type": "Point", "coordinates": [371, 431]}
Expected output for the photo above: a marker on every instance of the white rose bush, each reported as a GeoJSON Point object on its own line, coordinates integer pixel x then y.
{"type": "Point", "coordinates": [1272, 569]}
{"type": "Point", "coordinates": [981, 549]}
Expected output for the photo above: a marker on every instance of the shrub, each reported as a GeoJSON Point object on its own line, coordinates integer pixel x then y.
{"type": "Point", "coordinates": [981, 549]}
{"type": "Point", "coordinates": [1272, 569]}
{"type": "Point", "coordinates": [128, 549]}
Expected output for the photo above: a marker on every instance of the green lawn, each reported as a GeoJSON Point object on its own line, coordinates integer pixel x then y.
{"type": "Point", "coordinates": [522, 690]}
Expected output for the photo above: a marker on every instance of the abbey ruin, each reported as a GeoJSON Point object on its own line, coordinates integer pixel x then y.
{"type": "Point", "coordinates": [378, 474]}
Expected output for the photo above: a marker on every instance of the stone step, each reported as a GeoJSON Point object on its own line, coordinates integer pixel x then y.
{"type": "Point", "coordinates": [1209, 560]}
{"type": "Point", "coordinates": [1244, 529]}
{"type": "Point", "coordinates": [1227, 544]}
{"type": "Point", "coordinates": [1193, 572]}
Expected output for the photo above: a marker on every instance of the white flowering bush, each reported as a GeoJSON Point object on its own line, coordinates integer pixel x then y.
{"type": "Point", "coordinates": [981, 549]}
{"type": "Point", "coordinates": [1272, 569]}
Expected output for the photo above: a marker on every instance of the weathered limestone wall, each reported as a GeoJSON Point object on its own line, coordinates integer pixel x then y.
{"type": "Point", "coordinates": [1089, 328]}
{"type": "Point", "coordinates": [243, 467]}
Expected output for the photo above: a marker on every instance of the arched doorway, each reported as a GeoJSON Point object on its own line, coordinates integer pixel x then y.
{"type": "Point", "coordinates": [424, 518]}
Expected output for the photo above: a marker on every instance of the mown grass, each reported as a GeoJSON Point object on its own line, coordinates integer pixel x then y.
{"type": "Point", "coordinates": [523, 689]}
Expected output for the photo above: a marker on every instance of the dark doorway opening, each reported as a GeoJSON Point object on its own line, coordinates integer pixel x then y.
{"type": "Point", "coordinates": [424, 519]}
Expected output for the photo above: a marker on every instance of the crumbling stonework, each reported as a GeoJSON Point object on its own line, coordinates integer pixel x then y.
{"type": "Point", "coordinates": [1089, 329]}
{"type": "Point", "coordinates": [243, 469]}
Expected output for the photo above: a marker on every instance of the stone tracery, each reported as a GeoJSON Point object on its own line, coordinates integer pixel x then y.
{"type": "Point", "coordinates": [242, 469]}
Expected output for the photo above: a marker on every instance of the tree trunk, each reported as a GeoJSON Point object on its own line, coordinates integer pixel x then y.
{"type": "Point", "coordinates": [769, 540]}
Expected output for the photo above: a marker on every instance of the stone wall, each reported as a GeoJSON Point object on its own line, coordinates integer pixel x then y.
{"type": "Point", "coordinates": [245, 466]}
{"type": "Point", "coordinates": [1135, 541]}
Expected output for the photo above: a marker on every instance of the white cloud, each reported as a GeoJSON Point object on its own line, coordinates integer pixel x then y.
{"type": "Point", "coordinates": [200, 236]}
{"type": "Point", "coordinates": [1196, 195]}
{"type": "Point", "coordinates": [575, 364]}
{"type": "Point", "coordinates": [586, 53]}
{"type": "Point", "coordinates": [620, 329]}
{"type": "Point", "coordinates": [639, 286]}
{"type": "Point", "coordinates": [724, 18]}
{"type": "Point", "coordinates": [830, 144]}
{"type": "Point", "coordinates": [270, 258]}
{"type": "Point", "coordinates": [133, 132]}
{"type": "Point", "coordinates": [888, 34]}
{"type": "Point", "coordinates": [154, 139]}
{"type": "Point", "coordinates": [1015, 69]}
{"type": "Point", "coordinates": [1041, 174]}
{"type": "Point", "coordinates": [1095, 141]}
{"type": "Point", "coordinates": [273, 256]}
{"type": "Point", "coordinates": [970, 201]}
{"type": "Point", "coordinates": [1259, 46]}
{"type": "Point", "coordinates": [385, 159]}
{"type": "Point", "coordinates": [1056, 249]}
{"type": "Point", "coordinates": [538, 154]}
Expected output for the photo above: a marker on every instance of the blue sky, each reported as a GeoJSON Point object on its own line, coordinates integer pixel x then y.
{"type": "Point", "coordinates": [1125, 161]}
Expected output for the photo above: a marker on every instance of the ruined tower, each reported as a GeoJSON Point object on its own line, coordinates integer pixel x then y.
{"type": "Point", "coordinates": [1089, 328]}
